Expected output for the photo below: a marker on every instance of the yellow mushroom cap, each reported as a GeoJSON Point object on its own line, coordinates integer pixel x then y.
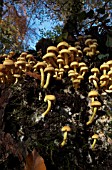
{"type": "Point", "coordinates": [49, 55]}
{"type": "Point", "coordinates": [109, 63]}
{"type": "Point", "coordinates": [52, 49]}
{"type": "Point", "coordinates": [74, 64]}
{"type": "Point", "coordinates": [62, 45]}
{"type": "Point", "coordinates": [95, 70]}
{"type": "Point", "coordinates": [95, 136]}
{"type": "Point", "coordinates": [65, 128]}
{"type": "Point", "coordinates": [49, 97]}
{"type": "Point", "coordinates": [82, 64]}
{"type": "Point", "coordinates": [8, 62]}
{"type": "Point", "coordinates": [104, 67]}
{"type": "Point", "coordinates": [95, 104]}
{"type": "Point", "coordinates": [49, 69]}
{"type": "Point", "coordinates": [40, 65]}
{"type": "Point", "coordinates": [93, 93]}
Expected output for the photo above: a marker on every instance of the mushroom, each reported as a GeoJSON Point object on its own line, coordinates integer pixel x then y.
{"type": "Point", "coordinates": [88, 42]}
{"type": "Point", "coordinates": [92, 94]}
{"type": "Point", "coordinates": [48, 99]}
{"type": "Point", "coordinates": [65, 53]}
{"type": "Point", "coordinates": [95, 137]}
{"type": "Point", "coordinates": [50, 70]}
{"type": "Point", "coordinates": [60, 61]}
{"type": "Point", "coordinates": [95, 105]}
{"type": "Point", "coordinates": [104, 67]}
{"type": "Point", "coordinates": [104, 80]}
{"type": "Point", "coordinates": [65, 130]}
{"type": "Point", "coordinates": [41, 66]}
{"type": "Point", "coordinates": [74, 65]}
{"type": "Point", "coordinates": [50, 59]}
{"type": "Point", "coordinates": [52, 49]}
{"type": "Point", "coordinates": [74, 52]}
{"type": "Point", "coordinates": [93, 48]}
{"type": "Point", "coordinates": [95, 71]}
{"type": "Point", "coordinates": [17, 77]}
{"type": "Point", "coordinates": [110, 64]}
{"type": "Point", "coordinates": [83, 70]}
{"type": "Point", "coordinates": [71, 74]}
{"type": "Point", "coordinates": [87, 50]}
{"type": "Point", "coordinates": [93, 79]}
{"type": "Point", "coordinates": [62, 45]}
{"type": "Point", "coordinates": [76, 83]}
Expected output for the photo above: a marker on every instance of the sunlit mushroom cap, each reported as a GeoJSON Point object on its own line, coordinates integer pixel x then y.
{"type": "Point", "coordinates": [49, 69]}
{"type": "Point", "coordinates": [8, 62]}
{"type": "Point", "coordinates": [66, 128]}
{"type": "Point", "coordinates": [95, 136]}
{"type": "Point", "coordinates": [109, 63]}
{"type": "Point", "coordinates": [93, 93]}
{"type": "Point", "coordinates": [65, 51]}
{"type": "Point", "coordinates": [40, 65]}
{"type": "Point", "coordinates": [62, 45]}
{"type": "Point", "coordinates": [73, 49]}
{"type": "Point", "coordinates": [95, 70]}
{"type": "Point", "coordinates": [49, 97]}
{"type": "Point", "coordinates": [82, 64]}
{"type": "Point", "coordinates": [74, 64]}
{"type": "Point", "coordinates": [52, 49]}
{"type": "Point", "coordinates": [49, 55]}
{"type": "Point", "coordinates": [84, 69]}
{"type": "Point", "coordinates": [104, 66]}
{"type": "Point", "coordinates": [95, 104]}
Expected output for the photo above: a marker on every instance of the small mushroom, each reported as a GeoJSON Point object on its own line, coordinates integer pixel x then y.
{"type": "Point", "coordinates": [93, 79]}
{"type": "Point", "coordinates": [48, 99]}
{"type": "Point", "coordinates": [92, 94]}
{"type": "Point", "coordinates": [104, 80]}
{"type": "Point", "coordinates": [41, 66]}
{"type": "Point", "coordinates": [95, 71]}
{"type": "Point", "coordinates": [62, 45]}
{"type": "Point", "coordinates": [65, 130]}
{"type": "Point", "coordinates": [50, 71]}
{"type": "Point", "coordinates": [95, 137]}
{"type": "Point", "coordinates": [83, 70]}
{"type": "Point", "coordinates": [74, 65]}
{"type": "Point", "coordinates": [65, 55]}
{"type": "Point", "coordinates": [95, 105]}
{"type": "Point", "coordinates": [50, 59]}
{"type": "Point", "coordinates": [104, 67]}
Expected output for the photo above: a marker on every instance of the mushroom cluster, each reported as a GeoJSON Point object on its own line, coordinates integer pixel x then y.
{"type": "Point", "coordinates": [58, 61]}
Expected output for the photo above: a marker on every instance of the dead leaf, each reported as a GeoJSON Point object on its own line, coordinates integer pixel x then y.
{"type": "Point", "coordinates": [34, 161]}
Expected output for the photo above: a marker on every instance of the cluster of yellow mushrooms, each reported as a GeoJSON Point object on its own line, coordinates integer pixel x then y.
{"type": "Point", "coordinates": [56, 62]}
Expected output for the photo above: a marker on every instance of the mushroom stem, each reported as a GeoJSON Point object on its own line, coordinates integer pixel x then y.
{"type": "Point", "coordinates": [48, 109]}
{"type": "Point", "coordinates": [42, 77]}
{"type": "Point", "coordinates": [16, 80]}
{"type": "Point", "coordinates": [92, 117]}
{"type": "Point", "coordinates": [47, 80]}
{"type": "Point", "coordinates": [104, 83]}
{"type": "Point", "coordinates": [95, 84]}
{"type": "Point", "coordinates": [93, 145]}
{"type": "Point", "coordinates": [64, 139]}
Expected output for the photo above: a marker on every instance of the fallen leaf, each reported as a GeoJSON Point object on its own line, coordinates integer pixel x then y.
{"type": "Point", "coordinates": [34, 161]}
